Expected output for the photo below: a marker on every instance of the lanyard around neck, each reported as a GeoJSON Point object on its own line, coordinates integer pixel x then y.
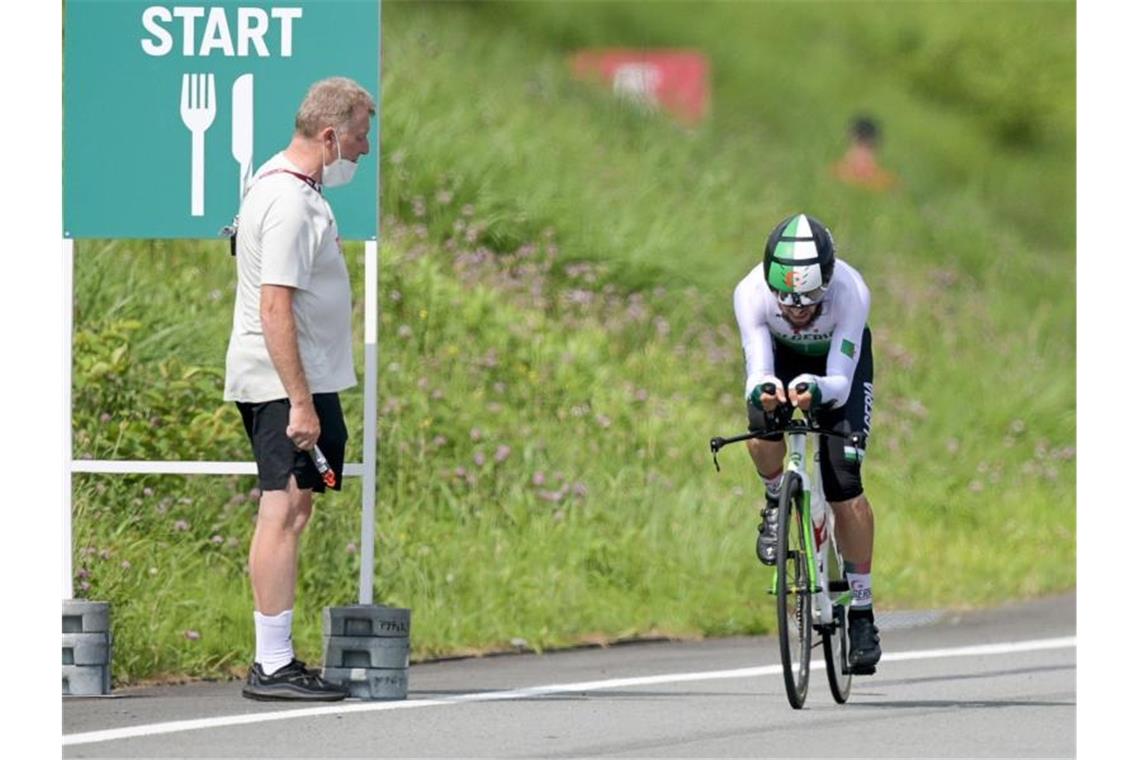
{"type": "Point", "coordinates": [303, 177]}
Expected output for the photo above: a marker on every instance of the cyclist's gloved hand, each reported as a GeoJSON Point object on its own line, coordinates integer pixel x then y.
{"type": "Point", "coordinates": [768, 394]}
{"type": "Point", "coordinates": [809, 399]}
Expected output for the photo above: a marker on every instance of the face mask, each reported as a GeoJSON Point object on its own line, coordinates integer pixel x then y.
{"type": "Point", "coordinates": [339, 172]}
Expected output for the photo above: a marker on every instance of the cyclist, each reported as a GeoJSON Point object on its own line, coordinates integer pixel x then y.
{"type": "Point", "coordinates": [802, 315]}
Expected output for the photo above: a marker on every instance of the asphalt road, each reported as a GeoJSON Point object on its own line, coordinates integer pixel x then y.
{"type": "Point", "coordinates": [993, 683]}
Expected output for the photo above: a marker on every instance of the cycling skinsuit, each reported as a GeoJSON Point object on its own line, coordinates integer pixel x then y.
{"type": "Point", "coordinates": [835, 346]}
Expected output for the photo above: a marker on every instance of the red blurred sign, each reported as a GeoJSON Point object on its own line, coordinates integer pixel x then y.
{"type": "Point", "coordinates": [675, 80]}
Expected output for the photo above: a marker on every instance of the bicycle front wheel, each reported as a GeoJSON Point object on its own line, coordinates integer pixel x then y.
{"type": "Point", "coordinates": [793, 591]}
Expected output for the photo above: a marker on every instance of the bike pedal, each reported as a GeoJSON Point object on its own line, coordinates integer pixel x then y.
{"type": "Point", "coordinates": [864, 671]}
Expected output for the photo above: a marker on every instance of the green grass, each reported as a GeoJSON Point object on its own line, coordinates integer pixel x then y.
{"type": "Point", "coordinates": [558, 344]}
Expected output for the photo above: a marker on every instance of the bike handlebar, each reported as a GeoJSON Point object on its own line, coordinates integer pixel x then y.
{"type": "Point", "coordinates": [782, 416]}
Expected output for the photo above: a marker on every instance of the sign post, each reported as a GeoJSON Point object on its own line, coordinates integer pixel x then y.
{"type": "Point", "coordinates": [168, 109]}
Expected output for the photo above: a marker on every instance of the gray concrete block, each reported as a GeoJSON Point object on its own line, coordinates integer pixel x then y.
{"type": "Point", "coordinates": [86, 680]}
{"type": "Point", "coordinates": [367, 620]}
{"type": "Point", "coordinates": [371, 683]}
{"type": "Point", "coordinates": [365, 652]}
{"type": "Point", "coordinates": [82, 616]}
{"type": "Point", "coordinates": [87, 648]}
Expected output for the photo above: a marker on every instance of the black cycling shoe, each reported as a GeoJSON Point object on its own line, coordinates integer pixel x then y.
{"type": "Point", "coordinates": [766, 540]}
{"type": "Point", "coordinates": [864, 650]}
{"type": "Point", "coordinates": [294, 682]}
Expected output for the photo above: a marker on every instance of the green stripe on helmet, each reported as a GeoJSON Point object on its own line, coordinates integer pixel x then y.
{"type": "Point", "coordinates": [798, 227]}
{"type": "Point", "coordinates": [785, 249]}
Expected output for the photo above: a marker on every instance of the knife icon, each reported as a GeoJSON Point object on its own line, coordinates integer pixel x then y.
{"type": "Point", "coordinates": [242, 131]}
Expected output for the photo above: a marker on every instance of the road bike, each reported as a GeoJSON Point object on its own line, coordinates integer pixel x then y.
{"type": "Point", "coordinates": [809, 583]}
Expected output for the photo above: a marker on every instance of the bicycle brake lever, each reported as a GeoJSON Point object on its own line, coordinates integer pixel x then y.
{"type": "Point", "coordinates": [715, 445]}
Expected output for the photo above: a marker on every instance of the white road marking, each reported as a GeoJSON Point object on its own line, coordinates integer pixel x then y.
{"type": "Point", "coordinates": [156, 729]}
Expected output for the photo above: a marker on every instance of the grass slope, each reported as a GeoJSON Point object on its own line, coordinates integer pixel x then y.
{"type": "Point", "coordinates": [557, 339]}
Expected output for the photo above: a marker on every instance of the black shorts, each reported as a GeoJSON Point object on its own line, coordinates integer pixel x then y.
{"type": "Point", "coordinates": [841, 462]}
{"type": "Point", "coordinates": [277, 458]}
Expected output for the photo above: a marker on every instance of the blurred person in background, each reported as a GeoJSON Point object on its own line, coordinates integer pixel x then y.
{"type": "Point", "coordinates": [290, 353]}
{"type": "Point", "coordinates": [802, 315]}
{"type": "Point", "coordinates": [859, 165]}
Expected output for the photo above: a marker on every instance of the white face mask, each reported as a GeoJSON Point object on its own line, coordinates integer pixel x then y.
{"type": "Point", "coordinates": [340, 171]}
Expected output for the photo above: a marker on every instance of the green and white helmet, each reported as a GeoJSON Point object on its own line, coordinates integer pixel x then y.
{"type": "Point", "coordinates": [798, 260]}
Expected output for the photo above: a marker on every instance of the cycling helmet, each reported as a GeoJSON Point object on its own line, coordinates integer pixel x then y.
{"type": "Point", "coordinates": [798, 260]}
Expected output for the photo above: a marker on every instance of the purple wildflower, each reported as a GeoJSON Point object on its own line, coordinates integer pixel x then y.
{"type": "Point", "coordinates": [501, 453]}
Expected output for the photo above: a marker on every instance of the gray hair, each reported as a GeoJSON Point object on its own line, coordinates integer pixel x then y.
{"type": "Point", "coordinates": [331, 103]}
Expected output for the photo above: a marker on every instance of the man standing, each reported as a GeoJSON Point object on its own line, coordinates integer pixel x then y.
{"type": "Point", "coordinates": [859, 165]}
{"type": "Point", "coordinates": [290, 353]}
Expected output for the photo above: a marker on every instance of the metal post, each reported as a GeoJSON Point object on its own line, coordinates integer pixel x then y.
{"type": "Point", "coordinates": [69, 296]}
{"type": "Point", "coordinates": [368, 495]}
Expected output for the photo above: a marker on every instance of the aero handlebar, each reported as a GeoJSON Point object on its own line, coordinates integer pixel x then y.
{"type": "Point", "coordinates": [780, 421]}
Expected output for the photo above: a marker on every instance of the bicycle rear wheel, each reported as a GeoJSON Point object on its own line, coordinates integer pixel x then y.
{"type": "Point", "coordinates": [793, 591]}
{"type": "Point", "coordinates": [835, 655]}
{"type": "Point", "coordinates": [834, 636]}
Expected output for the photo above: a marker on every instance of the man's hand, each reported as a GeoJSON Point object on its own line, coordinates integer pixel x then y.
{"type": "Point", "coordinates": [769, 402]}
{"type": "Point", "coordinates": [304, 426]}
{"type": "Point", "coordinates": [807, 400]}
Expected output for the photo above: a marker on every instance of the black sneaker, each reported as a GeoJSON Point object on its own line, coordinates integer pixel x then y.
{"type": "Point", "coordinates": [766, 540]}
{"type": "Point", "coordinates": [294, 681]}
{"type": "Point", "coordinates": [864, 651]}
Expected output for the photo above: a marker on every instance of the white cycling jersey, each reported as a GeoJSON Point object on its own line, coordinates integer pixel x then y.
{"type": "Point", "coordinates": [837, 331]}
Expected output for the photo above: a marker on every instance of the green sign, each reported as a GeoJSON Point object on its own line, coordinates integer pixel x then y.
{"type": "Point", "coordinates": [169, 108]}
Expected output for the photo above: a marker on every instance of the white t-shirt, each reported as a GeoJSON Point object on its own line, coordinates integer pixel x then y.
{"type": "Point", "coordinates": [287, 235]}
{"type": "Point", "coordinates": [836, 332]}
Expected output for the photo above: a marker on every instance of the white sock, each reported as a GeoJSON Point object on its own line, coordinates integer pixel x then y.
{"type": "Point", "coordinates": [860, 589]}
{"type": "Point", "coordinates": [274, 635]}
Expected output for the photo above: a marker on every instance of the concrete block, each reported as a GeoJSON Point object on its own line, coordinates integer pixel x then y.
{"type": "Point", "coordinates": [87, 648]}
{"type": "Point", "coordinates": [82, 616]}
{"type": "Point", "coordinates": [367, 620]}
{"type": "Point", "coordinates": [371, 683]}
{"type": "Point", "coordinates": [365, 652]}
{"type": "Point", "coordinates": [86, 680]}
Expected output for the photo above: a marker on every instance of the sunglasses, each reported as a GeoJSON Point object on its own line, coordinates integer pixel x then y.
{"type": "Point", "coordinates": [810, 298]}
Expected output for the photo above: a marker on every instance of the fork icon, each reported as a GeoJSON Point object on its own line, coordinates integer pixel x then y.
{"type": "Point", "coordinates": [198, 108]}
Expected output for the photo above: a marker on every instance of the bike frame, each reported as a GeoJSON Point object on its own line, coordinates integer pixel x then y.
{"type": "Point", "coordinates": [797, 427]}
{"type": "Point", "coordinates": [814, 503]}
{"type": "Point", "coordinates": [796, 433]}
